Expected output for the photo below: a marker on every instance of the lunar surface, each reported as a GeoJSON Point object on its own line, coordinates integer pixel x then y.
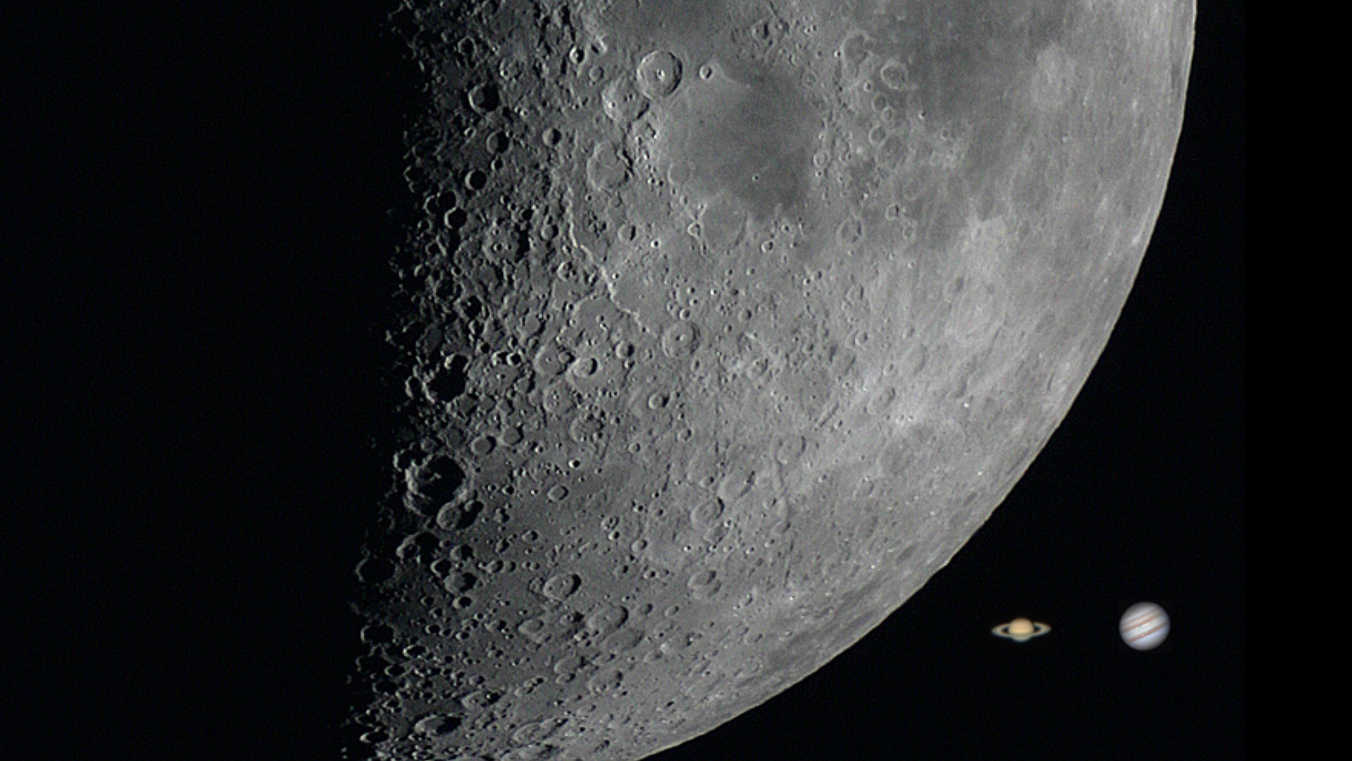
{"type": "Point", "coordinates": [722, 326]}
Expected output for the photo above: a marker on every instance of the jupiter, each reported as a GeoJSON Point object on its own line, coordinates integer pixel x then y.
{"type": "Point", "coordinates": [1144, 626]}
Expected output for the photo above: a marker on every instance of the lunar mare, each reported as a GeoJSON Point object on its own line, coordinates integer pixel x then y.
{"type": "Point", "coordinates": [725, 325]}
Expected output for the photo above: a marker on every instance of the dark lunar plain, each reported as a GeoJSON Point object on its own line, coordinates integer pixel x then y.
{"type": "Point", "coordinates": [245, 445]}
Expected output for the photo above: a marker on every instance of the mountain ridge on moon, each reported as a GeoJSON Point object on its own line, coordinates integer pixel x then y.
{"type": "Point", "coordinates": [726, 325]}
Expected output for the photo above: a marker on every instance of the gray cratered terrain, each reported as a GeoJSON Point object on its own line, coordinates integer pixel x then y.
{"type": "Point", "coordinates": [727, 324]}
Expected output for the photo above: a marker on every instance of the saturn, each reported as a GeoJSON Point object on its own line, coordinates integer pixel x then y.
{"type": "Point", "coordinates": [1021, 629]}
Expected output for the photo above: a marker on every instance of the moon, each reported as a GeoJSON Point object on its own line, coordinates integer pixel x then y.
{"type": "Point", "coordinates": [723, 326]}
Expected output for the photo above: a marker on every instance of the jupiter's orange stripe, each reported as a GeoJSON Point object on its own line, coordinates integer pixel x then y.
{"type": "Point", "coordinates": [1146, 633]}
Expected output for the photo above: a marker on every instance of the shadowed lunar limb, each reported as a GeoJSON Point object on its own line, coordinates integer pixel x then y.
{"type": "Point", "coordinates": [727, 325]}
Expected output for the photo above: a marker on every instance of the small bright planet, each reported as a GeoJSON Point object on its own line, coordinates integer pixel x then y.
{"type": "Point", "coordinates": [1144, 626]}
{"type": "Point", "coordinates": [1021, 630]}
